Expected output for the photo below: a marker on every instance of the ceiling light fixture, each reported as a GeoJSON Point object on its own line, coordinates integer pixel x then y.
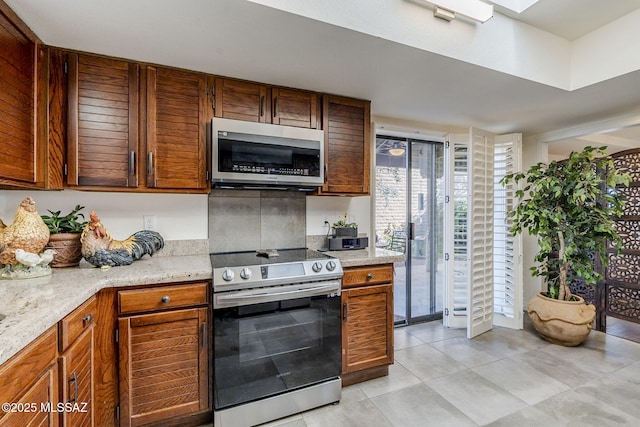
{"type": "Point", "coordinates": [397, 149]}
{"type": "Point", "coordinates": [474, 9]}
{"type": "Point", "coordinates": [445, 14]}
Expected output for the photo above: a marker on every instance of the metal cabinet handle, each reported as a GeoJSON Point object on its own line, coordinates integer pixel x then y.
{"type": "Point", "coordinates": [369, 276]}
{"type": "Point", "coordinates": [345, 310]}
{"type": "Point", "coordinates": [132, 163]}
{"type": "Point", "coordinates": [326, 173]}
{"type": "Point", "coordinates": [204, 334]}
{"type": "Point", "coordinates": [165, 299]}
{"type": "Point", "coordinates": [275, 107]}
{"type": "Point", "coordinates": [73, 379]}
{"type": "Point", "coordinates": [150, 163]}
{"type": "Point", "coordinates": [262, 102]}
{"type": "Point", "coordinates": [87, 319]}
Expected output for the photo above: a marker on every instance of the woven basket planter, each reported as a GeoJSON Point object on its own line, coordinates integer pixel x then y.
{"type": "Point", "coordinates": [68, 249]}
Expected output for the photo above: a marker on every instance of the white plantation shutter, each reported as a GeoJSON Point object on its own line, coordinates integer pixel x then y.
{"type": "Point", "coordinates": [456, 231]}
{"type": "Point", "coordinates": [480, 306]}
{"type": "Point", "coordinates": [507, 249]}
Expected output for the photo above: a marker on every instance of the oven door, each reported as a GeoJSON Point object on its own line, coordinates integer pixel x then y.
{"type": "Point", "coordinates": [290, 340]}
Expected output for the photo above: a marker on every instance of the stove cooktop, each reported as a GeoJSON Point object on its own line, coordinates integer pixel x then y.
{"type": "Point", "coordinates": [241, 259]}
{"type": "Point", "coordinates": [244, 270]}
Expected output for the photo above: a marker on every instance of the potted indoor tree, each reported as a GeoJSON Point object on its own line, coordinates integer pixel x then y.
{"type": "Point", "coordinates": [570, 206]}
{"type": "Point", "coordinates": [64, 238]}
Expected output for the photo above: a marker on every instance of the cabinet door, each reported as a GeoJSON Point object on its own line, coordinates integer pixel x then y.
{"type": "Point", "coordinates": [102, 130]}
{"type": "Point", "coordinates": [292, 107]}
{"type": "Point", "coordinates": [76, 373]}
{"type": "Point", "coordinates": [346, 124]}
{"type": "Point", "coordinates": [22, 94]}
{"type": "Point", "coordinates": [367, 327]}
{"type": "Point", "coordinates": [176, 129]}
{"type": "Point", "coordinates": [163, 366]}
{"type": "Point", "coordinates": [39, 398]}
{"type": "Point", "coordinates": [239, 100]}
{"type": "Point", "coordinates": [31, 376]}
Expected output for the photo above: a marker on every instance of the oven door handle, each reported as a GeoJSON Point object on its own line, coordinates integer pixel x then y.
{"type": "Point", "coordinates": [258, 296]}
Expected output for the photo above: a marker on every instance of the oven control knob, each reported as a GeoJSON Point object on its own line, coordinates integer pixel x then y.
{"type": "Point", "coordinates": [331, 266]}
{"type": "Point", "coordinates": [228, 275]}
{"type": "Point", "coordinates": [316, 267]}
{"type": "Point", "coordinates": [245, 273]}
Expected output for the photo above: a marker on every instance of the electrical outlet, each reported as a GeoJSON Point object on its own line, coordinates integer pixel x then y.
{"type": "Point", "coordinates": [149, 222]}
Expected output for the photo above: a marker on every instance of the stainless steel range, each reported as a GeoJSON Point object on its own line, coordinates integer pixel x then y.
{"type": "Point", "coordinates": [277, 334]}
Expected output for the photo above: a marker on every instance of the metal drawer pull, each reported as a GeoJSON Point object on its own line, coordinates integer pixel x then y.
{"type": "Point", "coordinates": [369, 276]}
{"type": "Point", "coordinates": [74, 380]}
{"type": "Point", "coordinates": [165, 299]}
{"type": "Point", "coordinates": [87, 319]}
{"type": "Point", "coordinates": [345, 310]}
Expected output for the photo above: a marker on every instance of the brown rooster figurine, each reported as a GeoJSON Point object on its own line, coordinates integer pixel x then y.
{"type": "Point", "coordinates": [100, 249]}
{"type": "Point", "coordinates": [27, 232]}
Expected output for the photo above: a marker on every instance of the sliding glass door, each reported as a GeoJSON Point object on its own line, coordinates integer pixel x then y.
{"type": "Point", "coordinates": [409, 219]}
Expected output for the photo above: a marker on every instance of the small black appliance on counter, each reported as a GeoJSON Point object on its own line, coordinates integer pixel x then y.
{"type": "Point", "coordinates": [342, 243]}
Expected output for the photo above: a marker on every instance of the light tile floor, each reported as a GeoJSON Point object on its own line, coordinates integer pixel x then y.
{"type": "Point", "coordinates": [501, 378]}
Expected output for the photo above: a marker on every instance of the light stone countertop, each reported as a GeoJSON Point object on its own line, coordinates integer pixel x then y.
{"type": "Point", "coordinates": [368, 256]}
{"type": "Point", "coordinates": [31, 306]}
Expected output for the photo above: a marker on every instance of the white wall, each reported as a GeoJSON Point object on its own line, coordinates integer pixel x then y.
{"type": "Point", "coordinates": [333, 208]}
{"type": "Point", "coordinates": [178, 216]}
{"type": "Point", "coordinates": [532, 153]}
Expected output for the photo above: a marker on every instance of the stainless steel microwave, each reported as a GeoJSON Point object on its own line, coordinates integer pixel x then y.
{"type": "Point", "coordinates": [256, 155]}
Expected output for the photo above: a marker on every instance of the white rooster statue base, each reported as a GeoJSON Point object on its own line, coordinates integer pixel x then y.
{"type": "Point", "coordinates": [29, 265]}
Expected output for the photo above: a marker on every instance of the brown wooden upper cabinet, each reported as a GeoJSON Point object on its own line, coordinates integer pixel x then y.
{"type": "Point", "coordinates": [102, 129]}
{"type": "Point", "coordinates": [346, 124]}
{"type": "Point", "coordinates": [176, 129]}
{"type": "Point", "coordinates": [255, 102]}
{"type": "Point", "coordinates": [23, 88]}
{"type": "Point", "coordinates": [135, 126]}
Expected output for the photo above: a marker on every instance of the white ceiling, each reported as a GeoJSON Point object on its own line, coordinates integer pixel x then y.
{"type": "Point", "coordinates": [571, 19]}
{"type": "Point", "coordinates": [243, 39]}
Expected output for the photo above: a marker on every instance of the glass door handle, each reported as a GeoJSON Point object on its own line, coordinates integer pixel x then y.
{"type": "Point", "coordinates": [412, 231]}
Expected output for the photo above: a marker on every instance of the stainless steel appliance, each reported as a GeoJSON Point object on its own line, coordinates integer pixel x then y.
{"type": "Point", "coordinates": [277, 335]}
{"type": "Point", "coordinates": [260, 155]}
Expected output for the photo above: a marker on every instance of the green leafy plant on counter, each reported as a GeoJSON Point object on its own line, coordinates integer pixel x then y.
{"type": "Point", "coordinates": [344, 224]}
{"type": "Point", "coordinates": [69, 223]}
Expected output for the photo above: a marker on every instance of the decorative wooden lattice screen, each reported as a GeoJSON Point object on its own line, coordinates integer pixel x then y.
{"type": "Point", "coordinates": [619, 294]}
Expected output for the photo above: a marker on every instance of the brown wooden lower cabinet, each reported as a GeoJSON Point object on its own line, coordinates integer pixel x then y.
{"type": "Point", "coordinates": [163, 366]}
{"type": "Point", "coordinates": [367, 323]}
{"type": "Point", "coordinates": [76, 382]}
{"type": "Point", "coordinates": [40, 399]}
{"type": "Point", "coordinates": [29, 380]}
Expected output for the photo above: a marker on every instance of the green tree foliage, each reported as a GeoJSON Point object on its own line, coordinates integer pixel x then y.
{"type": "Point", "coordinates": [570, 207]}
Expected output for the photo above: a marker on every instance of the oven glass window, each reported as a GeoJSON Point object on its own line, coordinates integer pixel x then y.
{"type": "Point", "coordinates": [266, 349]}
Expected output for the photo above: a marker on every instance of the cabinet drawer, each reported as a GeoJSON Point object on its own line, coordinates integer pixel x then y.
{"type": "Point", "coordinates": [72, 326]}
{"type": "Point", "coordinates": [160, 298]}
{"type": "Point", "coordinates": [367, 275]}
